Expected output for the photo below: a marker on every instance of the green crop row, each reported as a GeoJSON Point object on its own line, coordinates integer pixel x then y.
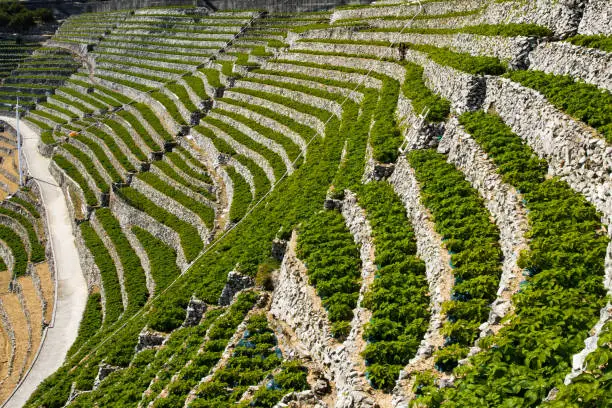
{"type": "Point", "coordinates": [124, 135]}
{"type": "Point", "coordinates": [183, 160]}
{"type": "Point", "coordinates": [270, 156]}
{"type": "Point", "coordinates": [421, 97]}
{"type": "Point", "coordinates": [139, 129]}
{"type": "Point", "coordinates": [212, 77]}
{"type": "Point", "coordinates": [254, 357]}
{"type": "Point", "coordinates": [113, 305]}
{"type": "Point", "coordinates": [89, 166]}
{"type": "Point", "coordinates": [20, 256]}
{"type": "Point", "coordinates": [462, 219]}
{"type": "Point", "coordinates": [37, 251]}
{"type": "Point", "coordinates": [503, 30]}
{"type": "Point", "coordinates": [242, 197]}
{"type": "Point", "coordinates": [334, 267]}
{"type": "Point", "coordinates": [475, 65]}
{"type": "Point", "coordinates": [583, 101]}
{"type": "Point", "coordinates": [84, 97]}
{"type": "Point", "coordinates": [29, 207]}
{"type": "Point", "coordinates": [134, 279]}
{"type": "Point", "coordinates": [75, 174]}
{"type": "Point", "coordinates": [169, 171]}
{"type": "Point", "coordinates": [188, 234]}
{"type": "Point", "coordinates": [152, 119]}
{"type": "Point", "coordinates": [170, 106]}
{"type": "Point", "coordinates": [162, 259]}
{"type": "Point", "coordinates": [101, 156]}
{"type": "Point", "coordinates": [399, 296]}
{"type": "Point", "coordinates": [219, 335]}
{"type": "Point", "coordinates": [602, 42]}
{"type": "Point", "coordinates": [114, 148]}
{"type": "Point", "coordinates": [90, 322]}
{"type": "Point", "coordinates": [288, 145]}
{"type": "Point", "coordinates": [204, 212]}
{"type": "Point", "coordinates": [385, 135]}
{"type": "Point", "coordinates": [125, 82]}
{"type": "Point", "coordinates": [560, 300]}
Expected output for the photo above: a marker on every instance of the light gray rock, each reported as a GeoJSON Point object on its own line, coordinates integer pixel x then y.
{"type": "Point", "coordinates": [235, 283]}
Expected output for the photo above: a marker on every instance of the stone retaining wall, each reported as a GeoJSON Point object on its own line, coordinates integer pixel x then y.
{"type": "Point", "coordinates": [296, 303]}
{"type": "Point", "coordinates": [390, 69]}
{"type": "Point", "coordinates": [265, 121]}
{"type": "Point", "coordinates": [562, 58]}
{"type": "Point", "coordinates": [128, 216]}
{"type": "Point", "coordinates": [241, 149]}
{"type": "Point", "coordinates": [308, 120]}
{"type": "Point", "coordinates": [571, 148]}
{"type": "Point", "coordinates": [257, 137]}
{"type": "Point", "coordinates": [110, 247]}
{"type": "Point", "coordinates": [502, 201]}
{"type": "Point", "coordinates": [437, 269]}
{"type": "Point", "coordinates": [597, 18]}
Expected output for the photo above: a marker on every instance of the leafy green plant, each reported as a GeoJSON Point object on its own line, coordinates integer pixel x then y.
{"type": "Point", "coordinates": [334, 267]}
{"type": "Point", "coordinates": [91, 321]}
{"type": "Point", "coordinates": [461, 218]}
{"type": "Point", "coordinates": [186, 232]}
{"type": "Point", "coordinates": [563, 294]}
{"type": "Point", "coordinates": [74, 174]}
{"type": "Point", "coordinates": [475, 65]}
{"type": "Point", "coordinates": [134, 279]}
{"type": "Point", "coordinates": [385, 134]}
{"type": "Point", "coordinates": [162, 258]}
{"type": "Point", "coordinates": [242, 197]}
{"type": "Point", "coordinates": [113, 305]}
{"type": "Point", "coordinates": [602, 42]}
{"type": "Point", "coordinates": [422, 97]}
{"type": "Point", "coordinates": [398, 298]}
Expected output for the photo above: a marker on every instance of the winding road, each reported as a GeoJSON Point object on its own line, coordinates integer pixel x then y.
{"type": "Point", "coordinates": [71, 288]}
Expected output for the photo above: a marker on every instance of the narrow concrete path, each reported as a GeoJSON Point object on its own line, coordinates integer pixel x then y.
{"type": "Point", "coordinates": [71, 289]}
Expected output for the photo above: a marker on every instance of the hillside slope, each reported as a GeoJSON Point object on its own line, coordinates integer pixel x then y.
{"type": "Point", "coordinates": [399, 204]}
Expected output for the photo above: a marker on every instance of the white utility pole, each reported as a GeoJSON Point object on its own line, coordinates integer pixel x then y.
{"type": "Point", "coordinates": [18, 144]}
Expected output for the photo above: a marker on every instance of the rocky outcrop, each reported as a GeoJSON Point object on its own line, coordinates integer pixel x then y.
{"type": "Point", "coordinates": [503, 202]}
{"type": "Point", "coordinates": [417, 135]}
{"type": "Point", "coordinates": [195, 310]}
{"type": "Point", "coordinates": [149, 339]}
{"type": "Point", "coordinates": [235, 283]}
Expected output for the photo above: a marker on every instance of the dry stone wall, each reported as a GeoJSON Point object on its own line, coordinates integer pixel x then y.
{"type": "Point", "coordinates": [562, 58]}
{"type": "Point", "coordinates": [503, 202]}
{"type": "Point", "coordinates": [572, 149]}
{"type": "Point", "coordinates": [597, 18]}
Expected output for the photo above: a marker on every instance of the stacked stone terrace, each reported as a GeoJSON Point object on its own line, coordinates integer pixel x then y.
{"type": "Point", "coordinates": [26, 285]}
{"type": "Point", "coordinates": [183, 119]}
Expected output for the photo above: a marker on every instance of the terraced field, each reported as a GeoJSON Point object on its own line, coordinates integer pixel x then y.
{"type": "Point", "coordinates": [397, 204]}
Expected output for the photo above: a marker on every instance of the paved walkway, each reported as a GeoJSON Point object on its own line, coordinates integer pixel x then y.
{"type": "Point", "coordinates": [71, 287]}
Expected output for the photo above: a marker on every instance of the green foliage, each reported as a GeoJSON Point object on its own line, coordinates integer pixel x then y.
{"type": "Point", "coordinates": [29, 207]}
{"type": "Point", "coordinates": [37, 253]}
{"type": "Point", "coordinates": [139, 129]}
{"type": "Point", "coordinates": [15, 245]}
{"type": "Point", "coordinates": [162, 259]}
{"type": "Point", "coordinates": [334, 267]}
{"type": "Point", "coordinates": [187, 232]}
{"type": "Point", "coordinates": [74, 174]}
{"type": "Point", "coordinates": [254, 357]}
{"type": "Point", "coordinates": [461, 218]}
{"type": "Point", "coordinates": [422, 97]}
{"type": "Point", "coordinates": [398, 298]}
{"type": "Point", "coordinates": [561, 300]}
{"type": "Point", "coordinates": [242, 197]}
{"type": "Point", "coordinates": [170, 106]}
{"type": "Point", "coordinates": [101, 156]}
{"type": "Point", "coordinates": [292, 377]}
{"type": "Point", "coordinates": [166, 168]}
{"type": "Point", "coordinates": [89, 166]}
{"type": "Point", "coordinates": [181, 158]}
{"type": "Point", "coordinates": [15, 17]}
{"type": "Point", "coordinates": [108, 273]}
{"type": "Point", "coordinates": [385, 134]}
{"type": "Point", "coordinates": [475, 65]}
{"type": "Point", "coordinates": [583, 101]}
{"type": "Point", "coordinates": [134, 279]}
{"type": "Point", "coordinates": [90, 323]}
{"type": "Point", "coordinates": [125, 136]}
{"type": "Point", "coordinates": [219, 335]}
{"type": "Point", "coordinates": [203, 211]}
{"type": "Point", "coordinates": [502, 30]}
{"type": "Point", "coordinates": [602, 42]}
